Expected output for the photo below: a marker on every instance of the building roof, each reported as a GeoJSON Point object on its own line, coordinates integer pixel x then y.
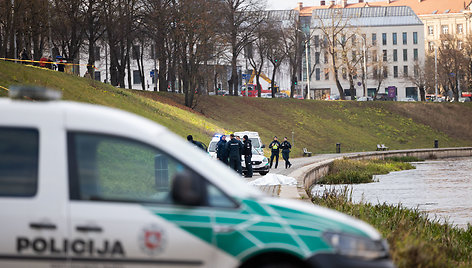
{"type": "Point", "coordinates": [420, 7]}
{"type": "Point", "coordinates": [367, 16]}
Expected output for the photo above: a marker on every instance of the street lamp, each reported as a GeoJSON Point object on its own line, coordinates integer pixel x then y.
{"type": "Point", "coordinates": [307, 63]}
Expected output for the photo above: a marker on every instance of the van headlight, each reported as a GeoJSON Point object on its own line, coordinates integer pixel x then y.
{"type": "Point", "coordinates": [265, 160]}
{"type": "Point", "coordinates": [356, 246]}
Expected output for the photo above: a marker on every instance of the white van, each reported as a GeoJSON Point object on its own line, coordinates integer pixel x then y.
{"type": "Point", "coordinates": [88, 186]}
{"type": "Point", "coordinates": [255, 139]}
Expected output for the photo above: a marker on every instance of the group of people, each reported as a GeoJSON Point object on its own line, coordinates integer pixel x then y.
{"type": "Point", "coordinates": [43, 62]}
{"type": "Point", "coordinates": [231, 152]}
{"type": "Point", "coordinates": [275, 147]}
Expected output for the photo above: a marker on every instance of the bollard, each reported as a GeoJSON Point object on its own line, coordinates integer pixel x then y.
{"type": "Point", "coordinates": [436, 144]}
{"type": "Point", "coordinates": [338, 148]}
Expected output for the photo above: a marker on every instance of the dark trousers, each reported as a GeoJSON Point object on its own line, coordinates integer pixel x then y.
{"type": "Point", "coordinates": [235, 163]}
{"type": "Point", "coordinates": [285, 156]}
{"type": "Point", "coordinates": [247, 161]}
{"type": "Point", "coordinates": [276, 155]}
{"type": "Point", "coordinates": [224, 160]}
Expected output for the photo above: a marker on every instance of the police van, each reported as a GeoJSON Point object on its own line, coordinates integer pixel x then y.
{"type": "Point", "coordinates": [88, 186]}
{"type": "Point", "coordinates": [255, 139]}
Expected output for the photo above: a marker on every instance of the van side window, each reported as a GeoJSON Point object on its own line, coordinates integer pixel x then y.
{"type": "Point", "coordinates": [19, 154]}
{"type": "Point", "coordinates": [109, 168]}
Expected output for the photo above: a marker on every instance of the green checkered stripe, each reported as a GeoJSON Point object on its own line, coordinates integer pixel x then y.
{"type": "Point", "coordinates": [256, 227]}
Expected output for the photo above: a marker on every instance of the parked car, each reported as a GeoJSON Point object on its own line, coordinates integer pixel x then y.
{"type": "Point", "coordinates": [296, 96]}
{"type": "Point", "coordinates": [464, 99]}
{"type": "Point", "coordinates": [281, 95]}
{"type": "Point", "coordinates": [365, 99]}
{"type": "Point", "coordinates": [408, 99]}
{"type": "Point", "coordinates": [266, 95]}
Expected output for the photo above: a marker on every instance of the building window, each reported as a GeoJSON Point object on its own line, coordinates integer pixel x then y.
{"type": "Point", "coordinates": [416, 70]}
{"type": "Point", "coordinates": [459, 28]}
{"type": "Point", "coordinates": [374, 73]}
{"type": "Point", "coordinates": [384, 39]}
{"type": "Point", "coordinates": [385, 72]}
{"type": "Point", "coordinates": [136, 53]}
{"type": "Point", "coordinates": [405, 38]}
{"type": "Point", "coordinates": [395, 55]}
{"type": "Point", "coordinates": [326, 73]}
{"type": "Point", "coordinates": [317, 40]}
{"type": "Point", "coordinates": [395, 71]}
{"type": "Point", "coordinates": [431, 46]}
{"type": "Point", "coordinates": [445, 29]}
{"type": "Point", "coordinates": [415, 54]}
{"type": "Point", "coordinates": [394, 38]}
{"type": "Point", "coordinates": [317, 74]}
{"type": "Point", "coordinates": [374, 55]}
{"type": "Point", "coordinates": [317, 57]}
{"type": "Point", "coordinates": [374, 39]}
{"type": "Point", "coordinates": [384, 55]}
{"type": "Point", "coordinates": [405, 71]}
{"type": "Point", "coordinates": [415, 38]}
{"type": "Point", "coordinates": [98, 76]}
{"type": "Point", "coordinates": [136, 77]}
{"type": "Point", "coordinates": [344, 73]}
{"type": "Point", "coordinates": [325, 57]}
{"type": "Point", "coordinates": [354, 40]}
{"type": "Point", "coordinates": [405, 55]}
{"type": "Point", "coordinates": [97, 53]}
{"type": "Point", "coordinates": [430, 30]}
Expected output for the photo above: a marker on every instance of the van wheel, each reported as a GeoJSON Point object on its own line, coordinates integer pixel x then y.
{"type": "Point", "coordinates": [263, 173]}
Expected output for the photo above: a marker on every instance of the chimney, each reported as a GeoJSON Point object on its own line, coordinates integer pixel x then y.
{"type": "Point", "coordinates": [361, 1]}
{"type": "Point", "coordinates": [344, 3]}
{"type": "Point", "coordinates": [322, 3]}
{"type": "Point", "coordinates": [300, 6]}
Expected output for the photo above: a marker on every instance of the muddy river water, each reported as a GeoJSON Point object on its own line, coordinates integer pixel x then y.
{"type": "Point", "coordinates": [442, 188]}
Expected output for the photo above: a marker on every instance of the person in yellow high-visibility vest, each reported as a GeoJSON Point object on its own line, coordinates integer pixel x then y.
{"type": "Point", "coordinates": [275, 150]}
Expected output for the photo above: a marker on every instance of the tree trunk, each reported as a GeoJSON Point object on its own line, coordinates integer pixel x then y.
{"type": "Point", "coordinates": [422, 93]}
{"type": "Point", "coordinates": [233, 87]}
{"type": "Point", "coordinates": [338, 84]}
{"type": "Point", "coordinates": [272, 82]}
{"type": "Point", "coordinates": [352, 89]}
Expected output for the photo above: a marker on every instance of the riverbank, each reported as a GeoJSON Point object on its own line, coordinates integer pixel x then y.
{"type": "Point", "coordinates": [415, 240]}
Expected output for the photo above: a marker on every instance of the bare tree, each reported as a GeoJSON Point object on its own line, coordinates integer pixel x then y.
{"type": "Point", "coordinates": [379, 72]}
{"type": "Point", "coordinates": [275, 50]}
{"type": "Point", "coordinates": [257, 52]}
{"type": "Point", "coordinates": [333, 25]}
{"type": "Point", "coordinates": [450, 62]}
{"type": "Point", "coordinates": [240, 19]}
{"type": "Point", "coordinates": [423, 76]}
{"type": "Point", "coordinates": [94, 29]}
{"type": "Point", "coordinates": [291, 38]}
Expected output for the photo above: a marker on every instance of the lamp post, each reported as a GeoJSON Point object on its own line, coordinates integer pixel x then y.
{"type": "Point", "coordinates": [435, 71]}
{"type": "Point", "coordinates": [307, 68]}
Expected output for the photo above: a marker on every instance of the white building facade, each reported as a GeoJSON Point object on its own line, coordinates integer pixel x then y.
{"type": "Point", "coordinates": [393, 35]}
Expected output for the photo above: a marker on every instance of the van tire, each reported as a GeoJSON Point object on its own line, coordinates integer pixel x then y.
{"type": "Point", "coordinates": [274, 260]}
{"type": "Point", "coordinates": [279, 265]}
{"type": "Point", "coordinates": [263, 173]}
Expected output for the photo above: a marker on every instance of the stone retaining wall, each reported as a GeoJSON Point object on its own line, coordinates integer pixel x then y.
{"type": "Point", "coordinates": [310, 174]}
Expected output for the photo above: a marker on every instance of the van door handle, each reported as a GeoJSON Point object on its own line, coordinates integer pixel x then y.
{"type": "Point", "coordinates": [38, 225]}
{"type": "Point", "coordinates": [85, 228]}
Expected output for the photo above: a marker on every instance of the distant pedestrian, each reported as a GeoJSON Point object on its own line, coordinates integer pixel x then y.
{"type": "Point", "coordinates": [233, 148]}
{"type": "Point", "coordinates": [196, 143]}
{"type": "Point", "coordinates": [61, 66]}
{"type": "Point", "coordinates": [275, 150]}
{"type": "Point", "coordinates": [221, 150]}
{"type": "Point", "coordinates": [24, 56]}
{"type": "Point", "coordinates": [286, 146]}
{"type": "Point", "coordinates": [247, 152]}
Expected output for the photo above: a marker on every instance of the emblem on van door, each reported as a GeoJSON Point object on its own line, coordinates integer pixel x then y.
{"type": "Point", "coordinates": [152, 239]}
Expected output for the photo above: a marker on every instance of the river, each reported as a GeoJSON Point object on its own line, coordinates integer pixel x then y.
{"type": "Point", "coordinates": [442, 188]}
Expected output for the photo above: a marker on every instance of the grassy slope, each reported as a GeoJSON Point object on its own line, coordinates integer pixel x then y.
{"type": "Point", "coordinates": [180, 121]}
{"type": "Point", "coordinates": [358, 126]}
{"type": "Point", "coordinates": [317, 125]}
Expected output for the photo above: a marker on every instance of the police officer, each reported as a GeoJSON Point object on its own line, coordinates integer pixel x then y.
{"type": "Point", "coordinates": [233, 149]}
{"type": "Point", "coordinates": [220, 150]}
{"type": "Point", "coordinates": [275, 150]}
{"type": "Point", "coordinates": [286, 146]}
{"type": "Point", "coordinates": [196, 143]}
{"type": "Point", "coordinates": [247, 152]}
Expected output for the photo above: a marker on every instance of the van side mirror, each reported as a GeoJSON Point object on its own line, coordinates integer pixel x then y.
{"type": "Point", "coordinates": [263, 146]}
{"type": "Point", "coordinates": [189, 189]}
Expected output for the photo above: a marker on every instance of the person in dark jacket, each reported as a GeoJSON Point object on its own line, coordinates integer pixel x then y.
{"type": "Point", "coordinates": [221, 150]}
{"type": "Point", "coordinates": [247, 152]}
{"type": "Point", "coordinates": [286, 146]}
{"type": "Point", "coordinates": [233, 149]}
{"type": "Point", "coordinates": [275, 150]}
{"type": "Point", "coordinates": [196, 143]}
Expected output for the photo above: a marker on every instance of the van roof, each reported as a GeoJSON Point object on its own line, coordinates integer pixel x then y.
{"type": "Point", "coordinates": [249, 133]}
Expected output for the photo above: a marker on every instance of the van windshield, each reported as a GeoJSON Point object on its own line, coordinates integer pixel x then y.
{"type": "Point", "coordinates": [255, 142]}
{"type": "Point", "coordinates": [212, 147]}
